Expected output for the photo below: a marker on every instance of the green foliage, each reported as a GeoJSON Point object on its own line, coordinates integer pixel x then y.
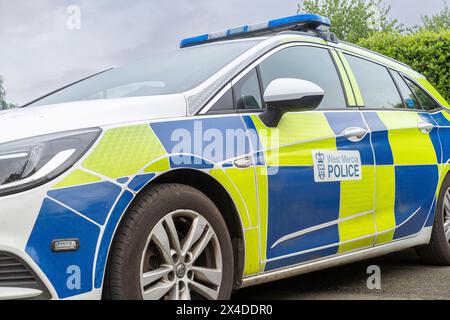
{"type": "Point", "coordinates": [352, 20]}
{"type": "Point", "coordinates": [438, 21]}
{"type": "Point", "coordinates": [427, 52]}
{"type": "Point", "coordinates": [3, 103]}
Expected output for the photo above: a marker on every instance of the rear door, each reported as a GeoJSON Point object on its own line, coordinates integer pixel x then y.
{"type": "Point", "coordinates": [406, 149]}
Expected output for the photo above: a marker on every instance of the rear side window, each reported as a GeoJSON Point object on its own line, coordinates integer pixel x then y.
{"type": "Point", "coordinates": [376, 84]}
{"type": "Point", "coordinates": [307, 63]}
{"type": "Point", "coordinates": [425, 100]}
{"type": "Point", "coordinates": [408, 96]}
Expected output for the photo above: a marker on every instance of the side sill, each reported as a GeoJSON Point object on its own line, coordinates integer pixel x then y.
{"type": "Point", "coordinates": [421, 238]}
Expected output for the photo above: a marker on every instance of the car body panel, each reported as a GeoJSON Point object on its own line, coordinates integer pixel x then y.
{"type": "Point", "coordinates": [87, 114]}
{"type": "Point", "coordinates": [141, 140]}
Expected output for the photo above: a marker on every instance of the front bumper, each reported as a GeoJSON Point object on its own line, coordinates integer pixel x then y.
{"type": "Point", "coordinates": [29, 269]}
{"type": "Point", "coordinates": [18, 214]}
{"type": "Point", "coordinates": [18, 280]}
{"type": "Point", "coordinates": [19, 293]}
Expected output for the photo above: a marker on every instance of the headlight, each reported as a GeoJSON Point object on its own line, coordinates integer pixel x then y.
{"type": "Point", "coordinates": [31, 162]}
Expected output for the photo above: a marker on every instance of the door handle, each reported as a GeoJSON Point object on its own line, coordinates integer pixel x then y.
{"type": "Point", "coordinates": [243, 162]}
{"type": "Point", "coordinates": [354, 134]}
{"type": "Point", "coordinates": [425, 127]}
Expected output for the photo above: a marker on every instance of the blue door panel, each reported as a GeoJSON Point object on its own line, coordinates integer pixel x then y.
{"type": "Point", "coordinates": [297, 202]}
{"type": "Point", "coordinates": [319, 238]}
{"type": "Point", "coordinates": [415, 192]}
{"type": "Point", "coordinates": [202, 136]}
{"type": "Point", "coordinates": [415, 224]}
{"type": "Point", "coordinates": [444, 135]}
{"type": "Point", "coordinates": [440, 119]}
{"type": "Point", "coordinates": [297, 259]}
{"type": "Point", "coordinates": [430, 219]}
{"type": "Point", "coordinates": [363, 146]}
{"type": "Point", "coordinates": [339, 121]}
{"type": "Point", "coordinates": [434, 135]}
{"type": "Point", "coordinates": [380, 139]}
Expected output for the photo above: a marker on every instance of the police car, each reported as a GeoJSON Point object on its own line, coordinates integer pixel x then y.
{"type": "Point", "coordinates": [247, 156]}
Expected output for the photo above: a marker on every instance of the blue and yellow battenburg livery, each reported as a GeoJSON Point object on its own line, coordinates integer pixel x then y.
{"type": "Point", "coordinates": [400, 166]}
{"type": "Point", "coordinates": [287, 217]}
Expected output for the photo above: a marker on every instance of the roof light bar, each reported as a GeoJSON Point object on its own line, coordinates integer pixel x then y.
{"type": "Point", "coordinates": [307, 21]}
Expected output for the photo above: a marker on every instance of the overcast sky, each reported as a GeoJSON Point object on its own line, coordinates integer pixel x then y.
{"type": "Point", "coordinates": [38, 52]}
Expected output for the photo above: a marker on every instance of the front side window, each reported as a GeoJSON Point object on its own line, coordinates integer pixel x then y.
{"type": "Point", "coordinates": [247, 92]}
{"type": "Point", "coordinates": [376, 84]}
{"type": "Point", "coordinates": [224, 104]}
{"type": "Point", "coordinates": [306, 63]}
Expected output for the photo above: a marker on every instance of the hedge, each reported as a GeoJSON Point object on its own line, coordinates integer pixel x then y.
{"type": "Point", "coordinates": [425, 51]}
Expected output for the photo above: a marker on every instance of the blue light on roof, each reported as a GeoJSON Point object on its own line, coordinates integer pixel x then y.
{"type": "Point", "coordinates": [311, 21]}
{"type": "Point", "coordinates": [194, 40]}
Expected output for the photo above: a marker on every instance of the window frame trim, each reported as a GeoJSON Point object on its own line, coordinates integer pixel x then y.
{"type": "Point", "coordinates": [389, 70]}
{"type": "Point", "coordinates": [405, 106]}
{"type": "Point", "coordinates": [415, 96]}
{"type": "Point", "coordinates": [205, 109]}
{"type": "Point", "coordinates": [402, 74]}
{"type": "Point", "coordinates": [439, 106]}
{"type": "Point", "coordinates": [341, 75]}
{"type": "Point", "coordinates": [263, 103]}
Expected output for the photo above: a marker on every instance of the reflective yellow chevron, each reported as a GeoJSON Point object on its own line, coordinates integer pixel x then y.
{"type": "Point", "coordinates": [385, 203]}
{"type": "Point", "coordinates": [77, 177]}
{"type": "Point", "coordinates": [409, 145]}
{"type": "Point", "coordinates": [124, 151]}
{"type": "Point", "coordinates": [345, 79]}
{"type": "Point", "coordinates": [357, 204]}
{"type": "Point", "coordinates": [297, 134]}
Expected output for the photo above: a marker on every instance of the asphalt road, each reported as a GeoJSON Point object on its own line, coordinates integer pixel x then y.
{"type": "Point", "coordinates": [403, 276]}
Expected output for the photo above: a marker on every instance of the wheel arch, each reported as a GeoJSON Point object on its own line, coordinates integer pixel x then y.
{"type": "Point", "coordinates": [221, 198]}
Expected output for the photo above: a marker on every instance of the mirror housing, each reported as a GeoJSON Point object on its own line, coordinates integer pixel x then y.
{"type": "Point", "coordinates": [287, 95]}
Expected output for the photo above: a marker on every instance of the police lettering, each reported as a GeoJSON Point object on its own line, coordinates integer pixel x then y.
{"type": "Point", "coordinates": [344, 170]}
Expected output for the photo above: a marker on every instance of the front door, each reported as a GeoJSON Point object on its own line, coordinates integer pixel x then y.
{"type": "Point", "coordinates": [317, 168]}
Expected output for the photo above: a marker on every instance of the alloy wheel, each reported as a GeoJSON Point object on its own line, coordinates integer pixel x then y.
{"type": "Point", "coordinates": [446, 214]}
{"type": "Point", "coordinates": [182, 259]}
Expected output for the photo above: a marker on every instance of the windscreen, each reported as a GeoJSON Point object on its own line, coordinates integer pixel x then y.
{"type": "Point", "coordinates": [162, 74]}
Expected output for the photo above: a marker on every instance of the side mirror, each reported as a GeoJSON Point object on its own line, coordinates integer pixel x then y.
{"type": "Point", "coordinates": [286, 95]}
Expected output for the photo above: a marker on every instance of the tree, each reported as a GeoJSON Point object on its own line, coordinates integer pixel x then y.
{"type": "Point", "coordinates": [438, 21]}
{"type": "Point", "coordinates": [3, 104]}
{"type": "Point", "coordinates": [426, 51]}
{"type": "Point", "coordinates": [353, 20]}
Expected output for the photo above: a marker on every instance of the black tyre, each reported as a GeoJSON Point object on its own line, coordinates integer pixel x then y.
{"type": "Point", "coordinates": [173, 243]}
{"type": "Point", "coordinates": [437, 252]}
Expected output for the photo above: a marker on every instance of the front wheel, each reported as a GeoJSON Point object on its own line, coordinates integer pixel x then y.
{"type": "Point", "coordinates": [437, 252]}
{"type": "Point", "coordinates": [173, 244]}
